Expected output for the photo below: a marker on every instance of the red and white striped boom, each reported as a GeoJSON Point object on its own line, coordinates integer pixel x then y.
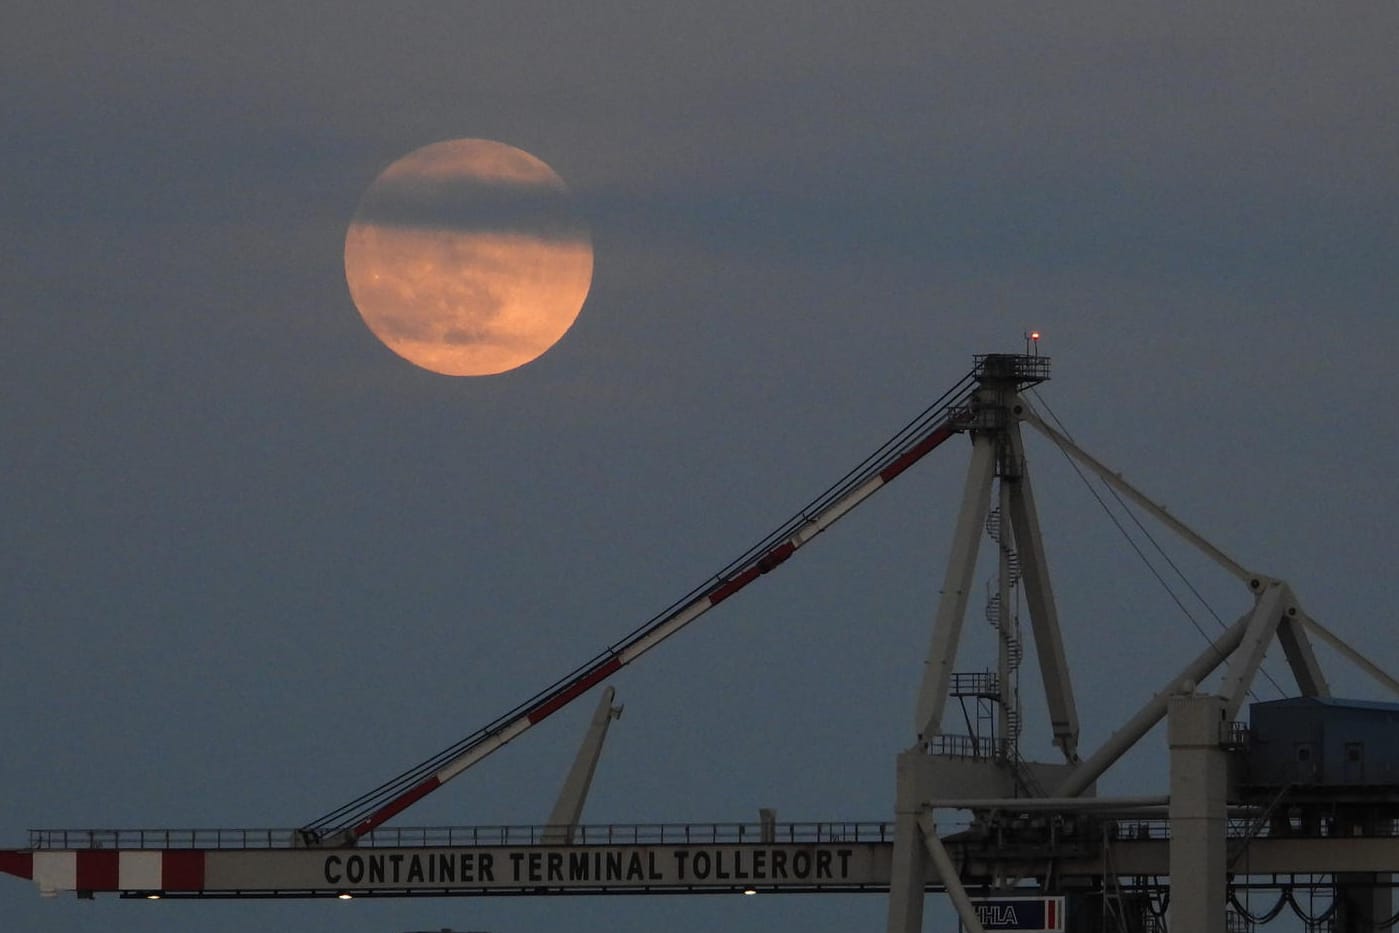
{"type": "Point", "coordinates": [933, 427]}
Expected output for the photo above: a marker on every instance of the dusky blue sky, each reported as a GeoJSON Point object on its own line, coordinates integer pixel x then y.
{"type": "Point", "coordinates": [254, 563]}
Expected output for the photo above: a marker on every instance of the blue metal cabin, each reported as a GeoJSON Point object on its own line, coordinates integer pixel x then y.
{"type": "Point", "coordinates": [1323, 742]}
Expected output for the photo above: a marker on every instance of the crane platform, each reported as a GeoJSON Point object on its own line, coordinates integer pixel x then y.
{"type": "Point", "coordinates": [642, 858]}
{"type": "Point", "coordinates": [475, 860]}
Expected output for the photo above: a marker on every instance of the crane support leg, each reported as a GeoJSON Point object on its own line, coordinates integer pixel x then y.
{"type": "Point", "coordinates": [563, 821]}
{"type": "Point", "coordinates": [1199, 815]}
{"type": "Point", "coordinates": [1355, 657]}
{"type": "Point", "coordinates": [1149, 715]}
{"type": "Point", "coordinates": [947, 874]}
{"type": "Point", "coordinates": [909, 864]}
{"type": "Point", "coordinates": [1297, 648]}
{"type": "Point", "coordinates": [1039, 594]}
{"type": "Point", "coordinates": [956, 587]}
{"type": "Point", "coordinates": [1274, 599]}
{"type": "Point", "coordinates": [915, 845]}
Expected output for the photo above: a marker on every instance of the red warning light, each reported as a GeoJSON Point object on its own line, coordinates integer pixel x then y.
{"type": "Point", "coordinates": [1034, 335]}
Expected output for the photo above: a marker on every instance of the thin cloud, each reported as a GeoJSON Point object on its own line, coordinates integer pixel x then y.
{"type": "Point", "coordinates": [472, 205]}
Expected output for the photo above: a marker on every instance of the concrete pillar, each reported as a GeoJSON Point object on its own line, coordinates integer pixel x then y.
{"type": "Point", "coordinates": [1199, 818]}
{"type": "Point", "coordinates": [910, 860]}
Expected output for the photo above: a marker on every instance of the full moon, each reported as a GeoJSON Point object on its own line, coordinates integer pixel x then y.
{"type": "Point", "coordinates": [467, 258]}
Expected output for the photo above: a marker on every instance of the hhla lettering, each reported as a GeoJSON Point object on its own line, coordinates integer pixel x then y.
{"type": "Point", "coordinates": [997, 915]}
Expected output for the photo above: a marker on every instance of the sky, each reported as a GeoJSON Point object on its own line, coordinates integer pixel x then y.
{"type": "Point", "coordinates": [254, 563]}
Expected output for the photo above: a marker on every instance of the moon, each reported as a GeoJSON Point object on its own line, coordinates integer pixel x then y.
{"type": "Point", "coordinates": [467, 258]}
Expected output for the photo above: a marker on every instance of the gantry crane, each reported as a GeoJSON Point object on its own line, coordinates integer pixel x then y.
{"type": "Point", "coordinates": [1040, 834]}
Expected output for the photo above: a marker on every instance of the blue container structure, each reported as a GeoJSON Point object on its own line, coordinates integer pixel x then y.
{"type": "Point", "coordinates": [1323, 743]}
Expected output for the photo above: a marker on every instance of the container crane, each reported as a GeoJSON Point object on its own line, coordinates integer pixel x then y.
{"type": "Point", "coordinates": [1035, 821]}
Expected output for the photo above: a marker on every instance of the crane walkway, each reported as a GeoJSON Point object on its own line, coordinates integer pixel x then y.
{"type": "Point", "coordinates": [652, 858]}
{"type": "Point", "coordinates": [639, 858]}
{"type": "Point", "coordinates": [604, 834]}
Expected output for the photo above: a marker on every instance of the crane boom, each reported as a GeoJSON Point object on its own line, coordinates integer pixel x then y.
{"type": "Point", "coordinates": [937, 423]}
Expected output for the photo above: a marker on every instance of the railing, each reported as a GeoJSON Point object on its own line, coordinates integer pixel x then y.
{"type": "Point", "coordinates": [966, 746]}
{"type": "Point", "coordinates": [1233, 734]}
{"type": "Point", "coordinates": [635, 834]}
{"type": "Point", "coordinates": [1021, 368]}
{"type": "Point", "coordinates": [161, 838]}
{"type": "Point", "coordinates": [974, 684]}
{"type": "Point", "coordinates": [1160, 828]}
{"type": "Point", "coordinates": [1242, 828]}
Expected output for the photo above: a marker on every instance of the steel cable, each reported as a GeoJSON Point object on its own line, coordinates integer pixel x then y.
{"type": "Point", "coordinates": [905, 439]}
{"type": "Point", "coordinates": [1142, 556]}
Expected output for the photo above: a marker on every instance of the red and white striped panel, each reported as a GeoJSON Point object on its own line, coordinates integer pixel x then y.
{"type": "Point", "coordinates": [118, 870]}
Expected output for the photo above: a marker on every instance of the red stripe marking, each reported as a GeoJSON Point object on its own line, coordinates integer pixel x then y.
{"type": "Point", "coordinates": [396, 806]}
{"type": "Point", "coordinates": [768, 561]}
{"type": "Point", "coordinates": [729, 587]}
{"type": "Point", "coordinates": [98, 870]}
{"type": "Point", "coordinates": [19, 864]}
{"type": "Point", "coordinates": [917, 452]}
{"type": "Point", "coordinates": [182, 870]}
{"type": "Point", "coordinates": [572, 691]}
{"type": "Point", "coordinates": [777, 555]}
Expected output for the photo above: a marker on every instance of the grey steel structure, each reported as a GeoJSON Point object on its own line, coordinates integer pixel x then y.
{"type": "Point", "coordinates": [1233, 811]}
{"type": "Point", "coordinates": [1205, 751]}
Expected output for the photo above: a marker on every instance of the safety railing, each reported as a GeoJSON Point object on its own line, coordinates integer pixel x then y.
{"type": "Point", "coordinates": [633, 834]}
{"type": "Point", "coordinates": [162, 838]}
{"type": "Point", "coordinates": [1247, 827]}
{"type": "Point", "coordinates": [1233, 735]}
{"type": "Point", "coordinates": [966, 746]}
{"type": "Point", "coordinates": [974, 684]}
{"type": "Point", "coordinates": [1021, 368]}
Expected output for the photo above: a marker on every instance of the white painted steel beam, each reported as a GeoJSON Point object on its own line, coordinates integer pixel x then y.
{"type": "Point", "coordinates": [1115, 480]}
{"type": "Point", "coordinates": [908, 864]}
{"type": "Point", "coordinates": [956, 587]}
{"type": "Point", "coordinates": [1297, 648]}
{"type": "Point", "coordinates": [1039, 594]}
{"type": "Point", "coordinates": [664, 868]}
{"type": "Point", "coordinates": [1268, 607]}
{"type": "Point", "coordinates": [947, 874]}
{"type": "Point", "coordinates": [1355, 657]}
{"type": "Point", "coordinates": [568, 809]}
{"type": "Point", "coordinates": [1149, 715]}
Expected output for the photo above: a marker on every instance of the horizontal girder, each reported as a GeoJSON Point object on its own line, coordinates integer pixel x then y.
{"type": "Point", "coordinates": [718, 865]}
